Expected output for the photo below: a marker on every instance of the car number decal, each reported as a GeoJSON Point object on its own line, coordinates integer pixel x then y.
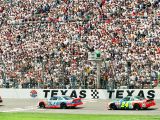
{"type": "Point", "coordinates": [51, 103]}
{"type": "Point", "coordinates": [125, 105]}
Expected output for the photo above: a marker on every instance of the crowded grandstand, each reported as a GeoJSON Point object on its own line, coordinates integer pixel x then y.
{"type": "Point", "coordinates": [45, 43]}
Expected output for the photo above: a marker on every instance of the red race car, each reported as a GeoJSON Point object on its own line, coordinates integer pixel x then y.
{"type": "Point", "coordinates": [130, 102]}
{"type": "Point", "coordinates": [60, 102]}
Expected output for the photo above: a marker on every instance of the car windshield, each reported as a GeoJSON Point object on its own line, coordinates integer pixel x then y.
{"type": "Point", "coordinates": [53, 98]}
{"type": "Point", "coordinates": [67, 98]}
{"type": "Point", "coordinates": [139, 98]}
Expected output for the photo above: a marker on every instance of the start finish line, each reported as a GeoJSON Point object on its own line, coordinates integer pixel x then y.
{"type": "Point", "coordinates": [82, 93]}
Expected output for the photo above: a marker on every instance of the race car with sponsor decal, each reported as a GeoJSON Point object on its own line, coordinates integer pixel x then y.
{"type": "Point", "coordinates": [62, 102]}
{"type": "Point", "coordinates": [131, 102]}
{"type": "Point", "coordinates": [1, 99]}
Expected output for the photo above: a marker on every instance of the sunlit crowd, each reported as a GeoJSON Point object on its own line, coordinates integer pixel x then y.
{"type": "Point", "coordinates": [45, 43]}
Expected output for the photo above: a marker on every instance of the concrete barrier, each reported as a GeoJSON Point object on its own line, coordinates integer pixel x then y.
{"type": "Point", "coordinates": [82, 93]}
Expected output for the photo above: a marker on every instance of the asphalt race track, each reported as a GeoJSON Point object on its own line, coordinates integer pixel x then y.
{"type": "Point", "coordinates": [89, 107]}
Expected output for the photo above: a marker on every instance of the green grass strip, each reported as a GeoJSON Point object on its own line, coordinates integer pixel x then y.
{"type": "Point", "coordinates": [53, 116]}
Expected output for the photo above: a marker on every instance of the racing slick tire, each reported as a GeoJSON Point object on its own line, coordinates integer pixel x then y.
{"type": "Point", "coordinates": [63, 106]}
{"type": "Point", "coordinates": [112, 107]}
{"type": "Point", "coordinates": [136, 107]}
{"type": "Point", "coordinates": [41, 105]}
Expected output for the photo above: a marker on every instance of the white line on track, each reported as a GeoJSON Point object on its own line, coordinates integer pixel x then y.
{"type": "Point", "coordinates": [21, 109]}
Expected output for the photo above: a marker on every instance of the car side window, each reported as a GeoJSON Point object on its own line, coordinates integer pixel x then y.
{"type": "Point", "coordinates": [53, 98]}
{"type": "Point", "coordinates": [60, 98]}
{"type": "Point", "coordinates": [132, 99]}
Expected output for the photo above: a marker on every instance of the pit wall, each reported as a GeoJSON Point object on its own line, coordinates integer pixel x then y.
{"type": "Point", "coordinates": [82, 93]}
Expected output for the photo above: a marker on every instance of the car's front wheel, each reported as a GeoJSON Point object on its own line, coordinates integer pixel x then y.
{"type": "Point", "coordinates": [112, 107]}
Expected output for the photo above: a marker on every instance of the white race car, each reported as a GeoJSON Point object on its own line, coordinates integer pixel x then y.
{"type": "Point", "coordinates": [60, 102]}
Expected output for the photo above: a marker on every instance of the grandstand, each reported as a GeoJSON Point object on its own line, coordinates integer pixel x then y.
{"type": "Point", "coordinates": [45, 43]}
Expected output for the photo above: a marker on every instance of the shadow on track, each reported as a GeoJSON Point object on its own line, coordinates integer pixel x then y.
{"type": "Point", "coordinates": [148, 109]}
{"type": "Point", "coordinates": [63, 109]}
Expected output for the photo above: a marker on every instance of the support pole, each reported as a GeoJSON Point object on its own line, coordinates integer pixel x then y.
{"type": "Point", "coordinates": [98, 74]}
{"type": "Point", "coordinates": [150, 70]}
{"type": "Point", "coordinates": [4, 73]}
{"type": "Point", "coordinates": [96, 57]}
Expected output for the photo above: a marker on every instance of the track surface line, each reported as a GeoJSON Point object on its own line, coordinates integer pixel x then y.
{"type": "Point", "coordinates": [89, 107]}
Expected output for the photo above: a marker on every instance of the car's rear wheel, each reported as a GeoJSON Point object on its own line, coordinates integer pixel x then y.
{"type": "Point", "coordinates": [137, 107]}
{"type": "Point", "coordinates": [63, 106]}
{"type": "Point", "coordinates": [112, 107]}
{"type": "Point", "coordinates": [41, 105]}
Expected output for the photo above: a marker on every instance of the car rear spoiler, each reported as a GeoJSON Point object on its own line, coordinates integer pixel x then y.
{"type": "Point", "coordinates": [149, 99]}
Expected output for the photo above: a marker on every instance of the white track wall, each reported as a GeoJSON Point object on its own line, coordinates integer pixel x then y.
{"type": "Point", "coordinates": [83, 93]}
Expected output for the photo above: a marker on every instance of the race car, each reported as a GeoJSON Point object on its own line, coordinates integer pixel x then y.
{"type": "Point", "coordinates": [1, 99]}
{"type": "Point", "coordinates": [129, 102]}
{"type": "Point", "coordinates": [62, 102]}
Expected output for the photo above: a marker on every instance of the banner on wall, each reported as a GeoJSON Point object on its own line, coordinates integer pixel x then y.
{"type": "Point", "coordinates": [102, 94]}
{"type": "Point", "coordinates": [82, 93]}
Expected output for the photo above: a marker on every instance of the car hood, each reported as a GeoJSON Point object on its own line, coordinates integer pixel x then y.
{"type": "Point", "coordinates": [114, 101]}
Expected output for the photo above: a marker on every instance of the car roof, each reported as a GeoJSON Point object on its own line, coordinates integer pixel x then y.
{"type": "Point", "coordinates": [138, 97]}
{"type": "Point", "coordinates": [134, 97]}
{"type": "Point", "coordinates": [127, 97]}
